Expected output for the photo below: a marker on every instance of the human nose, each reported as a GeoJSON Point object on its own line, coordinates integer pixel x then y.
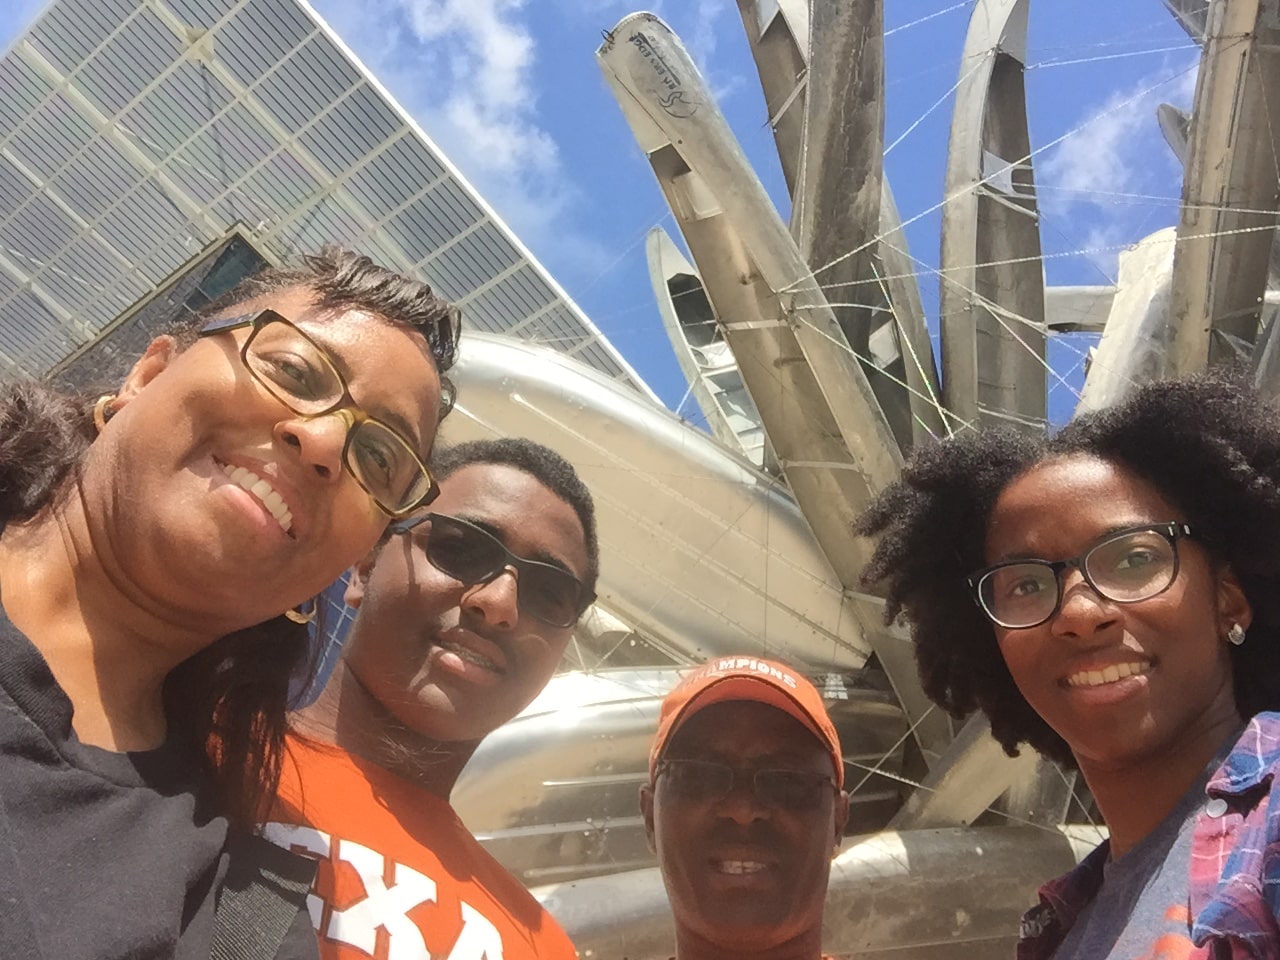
{"type": "Point", "coordinates": [740, 804]}
{"type": "Point", "coordinates": [496, 600]}
{"type": "Point", "coordinates": [1082, 612]}
{"type": "Point", "coordinates": [319, 441]}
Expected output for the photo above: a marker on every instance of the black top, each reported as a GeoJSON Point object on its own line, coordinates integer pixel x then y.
{"type": "Point", "coordinates": [102, 854]}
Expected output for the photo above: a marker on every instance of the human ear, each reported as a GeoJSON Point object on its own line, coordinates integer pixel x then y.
{"type": "Point", "coordinates": [841, 818]}
{"type": "Point", "coordinates": [646, 811]}
{"type": "Point", "coordinates": [358, 579]}
{"type": "Point", "coordinates": [159, 354]}
{"type": "Point", "coordinates": [1233, 606]}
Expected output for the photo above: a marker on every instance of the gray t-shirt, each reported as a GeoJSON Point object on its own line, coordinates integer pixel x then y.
{"type": "Point", "coordinates": [1142, 910]}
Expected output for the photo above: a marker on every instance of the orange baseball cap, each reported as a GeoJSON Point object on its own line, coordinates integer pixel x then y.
{"type": "Point", "coordinates": [747, 678]}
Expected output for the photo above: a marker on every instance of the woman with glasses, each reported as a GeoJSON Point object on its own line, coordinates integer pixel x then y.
{"type": "Point", "coordinates": [1111, 598]}
{"type": "Point", "coordinates": [154, 546]}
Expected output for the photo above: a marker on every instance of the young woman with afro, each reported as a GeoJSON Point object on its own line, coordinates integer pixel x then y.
{"type": "Point", "coordinates": [1110, 597]}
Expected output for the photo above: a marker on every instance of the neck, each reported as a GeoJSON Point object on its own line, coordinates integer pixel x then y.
{"type": "Point", "coordinates": [1135, 798]}
{"type": "Point", "coordinates": [691, 945]}
{"type": "Point", "coordinates": [108, 651]}
{"type": "Point", "coordinates": [346, 715]}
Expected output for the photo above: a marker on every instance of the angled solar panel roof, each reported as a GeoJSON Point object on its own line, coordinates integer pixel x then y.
{"type": "Point", "coordinates": [135, 133]}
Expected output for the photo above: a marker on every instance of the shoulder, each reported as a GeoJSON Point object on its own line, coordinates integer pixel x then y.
{"type": "Point", "coordinates": [1253, 759]}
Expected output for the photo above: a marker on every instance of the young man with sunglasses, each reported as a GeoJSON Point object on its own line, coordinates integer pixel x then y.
{"type": "Point", "coordinates": [464, 615]}
{"type": "Point", "coordinates": [745, 808]}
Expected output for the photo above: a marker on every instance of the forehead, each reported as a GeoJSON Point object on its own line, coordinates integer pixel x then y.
{"type": "Point", "coordinates": [1058, 507]}
{"type": "Point", "coordinates": [388, 366]}
{"type": "Point", "coordinates": [519, 509]}
{"type": "Point", "coordinates": [742, 731]}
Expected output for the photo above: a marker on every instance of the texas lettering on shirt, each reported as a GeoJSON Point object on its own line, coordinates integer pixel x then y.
{"type": "Point", "coordinates": [382, 908]}
{"type": "Point", "coordinates": [399, 876]}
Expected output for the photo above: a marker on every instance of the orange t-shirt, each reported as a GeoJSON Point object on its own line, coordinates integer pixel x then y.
{"type": "Point", "coordinates": [400, 877]}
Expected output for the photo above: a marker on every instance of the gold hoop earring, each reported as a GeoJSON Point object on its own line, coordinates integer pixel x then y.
{"type": "Point", "coordinates": [101, 413]}
{"type": "Point", "coordinates": [297, 616]}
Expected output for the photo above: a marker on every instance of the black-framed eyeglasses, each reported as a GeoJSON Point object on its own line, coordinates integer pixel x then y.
{"type": "Point", "coordinates": [299, 373]}
{"type": "Point", "coordinates": [1127, 566]}
{"type": "Point", "coordinates": [471, 554]}
{"type": "Point", "coordinates": [707, 781]}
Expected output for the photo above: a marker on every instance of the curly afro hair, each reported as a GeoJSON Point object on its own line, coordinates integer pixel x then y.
{"type": "Point", "coordinates": [1210, 444]}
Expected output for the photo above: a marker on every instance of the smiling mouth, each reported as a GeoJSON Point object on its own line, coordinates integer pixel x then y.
{"type": "Point", "coordinates": [738, 867]}
{"type": "Point", "coordinates": [1096, 678]}
{"type": "Point", "coordinates": [262, 491]}
{"type": "Point", "coordinates": [466, 653]}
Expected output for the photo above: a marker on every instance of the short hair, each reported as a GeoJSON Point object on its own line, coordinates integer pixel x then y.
{"type": "Point", "coordinates": [1210, 444]}
{"type": "Point", "coordinates": [543, 464]}
{"type": "Point", "coordinates": [345, 279]}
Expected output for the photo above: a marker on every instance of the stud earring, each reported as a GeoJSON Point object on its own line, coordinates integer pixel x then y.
{"type": "Point", "coordinates": [1235, 636]}
{"type": "Point", "coordinates": [102, 411]}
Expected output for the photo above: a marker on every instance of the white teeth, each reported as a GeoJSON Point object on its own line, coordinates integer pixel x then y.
{"type": "Point", "coordinates": [250, 481]}
{"type": "Point", "coordinates": [740, 866]}
{"type": "Point", "coordinates": [1096, 678]}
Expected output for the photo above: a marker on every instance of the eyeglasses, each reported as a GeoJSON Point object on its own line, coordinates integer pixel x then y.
{"type": "Point", "coordinates": [472, 555]}
{"type": "Point", "coordinates": [1125, 567]}
{"type": "Point", "coordinates": [706, 781]}
{"type": "Point", "coordinates": [299, 373]}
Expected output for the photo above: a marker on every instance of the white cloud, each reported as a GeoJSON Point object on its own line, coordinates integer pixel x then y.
{"type": "Point", "coordinates": [488, 52]}
{"type": "Point", "coordinates": [1101, 177]}
{"type": "Point", "coordinates": [466, 71]}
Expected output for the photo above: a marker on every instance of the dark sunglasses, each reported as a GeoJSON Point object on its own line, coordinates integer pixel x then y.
{"type": "Point", "coordinates": [472, 555]}
{"type": "Point", "coordinates": [706, 781]}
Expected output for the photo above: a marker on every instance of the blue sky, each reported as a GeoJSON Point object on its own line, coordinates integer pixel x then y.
{"type": "Point", "coordinates": [511, 91]}
{"type": "Point", "coordinates": [571, 181]}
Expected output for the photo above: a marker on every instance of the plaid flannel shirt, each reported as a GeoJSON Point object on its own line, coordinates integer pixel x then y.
{"type": "Point", "coordinates": [1234, 883]}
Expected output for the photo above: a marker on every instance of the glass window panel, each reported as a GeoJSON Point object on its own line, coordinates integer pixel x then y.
{"type": "Point", "coordinates": [418, 231]}
{"type": "Point", "coordinates": [51, 137]}
{"type": "Point", "coordinates": [257, 38]}
{"type": "Point", "coordinates": [594, 353]}
{"type": "Point", "coordinates": [201, 13]}
{"type": "Point", "coordinates": [67, 288]}
{"type": "Point", "coordinates": [381, 185]}
{"type": "Point", "coordinates": [345, 136]}
{"type": "Point", "coordinates": [464, 263]}
{"type": "Point", "coordinates": [412, 164]}
{"type": "Point", "coordinates": [24, 90]}
{"type": "Point", "coordinates": [327, 66]}
{"type": "Point", "coordinates": [179, 106]}
{"type": "Point", "coordinates": [91, 259]}
{"type": "Point", "coordinates": [303, 86]}
{"type": "Point", "coordinates": [281, 184]}
{"type": "Point", "coordinates": [130, 61]}
{"type": "Point", "coordinates": [95, 178]}
{"type": "Point", "coordinates": [456, 205]}
{"type": "Point", "coordinates": [43, 340]}
{"type": "Point", "coordinates": [15, 187]}
{"type": "Point", "coordinates": [324, 222]}
{"type": "Point", "coordinates": [38, 230]}
{"type": "Point", "coordinates": [557, 328]}
{"type": "Point", "coordinates": [69, 32]}
{"type": "Point", "coordinates": [515, 298]}
{"type": "Point", "coordinates": [103, 86]}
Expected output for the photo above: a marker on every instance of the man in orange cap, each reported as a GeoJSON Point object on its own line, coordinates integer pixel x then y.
{"type": "Point", "coordinates": [745, 808]}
